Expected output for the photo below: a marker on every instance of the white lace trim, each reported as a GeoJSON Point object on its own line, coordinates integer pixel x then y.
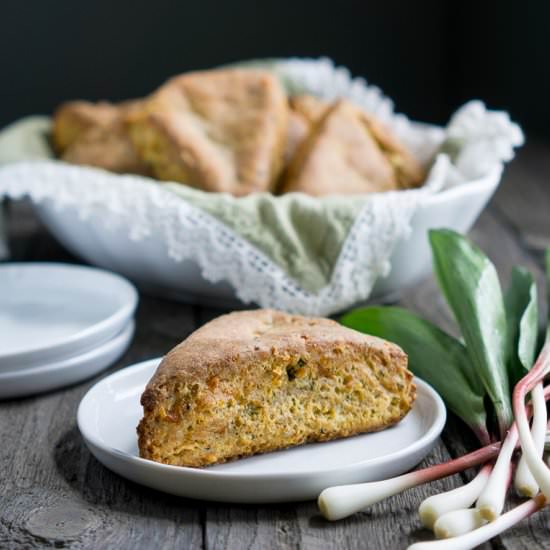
{"type": "Point", "coordinates": [140, 208]}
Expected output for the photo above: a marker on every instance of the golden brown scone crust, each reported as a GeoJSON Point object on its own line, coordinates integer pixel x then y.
{"type": "Point", "coordinates": [107, 144]}
{"type": "Point", "coordinates": [221, 130]}
{"type": "Point", "coordinates": [310, 107]}
{"type": "Point", "coordinates": [298, 130]}
{"type": "Point", "coordinates": [108, 147]}
{"type": "Point", "coordinates": [95, 134]}
{"type": "Point", "coordinates": [408, 171]}
{"type": "Point", "coordinates": [305, 111]}
{"type": "Point", "coordinates": [339, 156]}
{"type": "Point", "coordinates": [73, 118]}
{"type": "Point", "coordinates": [314, 133]}
{"type": "Point", "coordinates": [256, 381]}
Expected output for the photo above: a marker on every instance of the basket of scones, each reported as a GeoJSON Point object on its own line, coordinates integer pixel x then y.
{"type": "Point", "coordinates": [236, 131]}
{"type": "Point", "coordinates": [286, 183]}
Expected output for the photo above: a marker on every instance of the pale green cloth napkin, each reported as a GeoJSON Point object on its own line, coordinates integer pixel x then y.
{"type": "Point", "coordinates": [302, 234]}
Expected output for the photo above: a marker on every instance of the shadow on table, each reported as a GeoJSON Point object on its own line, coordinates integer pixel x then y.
{"type": "Point", "coordinates": [100, 487]}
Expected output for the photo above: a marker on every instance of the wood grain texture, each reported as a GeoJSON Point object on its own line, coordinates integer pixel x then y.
{"type": "Point", "coordinates": [393, 523]}
{"type": "Point", "coordinates": [55, 494]}
{"type": "Point", "coordinates": [523, 200]}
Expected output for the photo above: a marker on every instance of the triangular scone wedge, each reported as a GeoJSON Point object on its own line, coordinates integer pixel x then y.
{"type": "Point", "coordinates": [221, 130]}
{"type": "Point", "coordinates": [105, 142]}
{"type": "Point", "coordinates": [74, 118]}
{"type": "Point", "coordinates": [256, 381]}
{"type": "Point", "coordinates": [340, 156]}
{"type": "Point", "coordinates": [307, 110]}
{"type": "Point", "coordinates": [408, 171]}
{"type": "Point", "coordinates": [108, 147]}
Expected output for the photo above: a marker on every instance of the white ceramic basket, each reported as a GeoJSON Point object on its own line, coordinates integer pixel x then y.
{"type": "Point", "coordinates": [147, 263]}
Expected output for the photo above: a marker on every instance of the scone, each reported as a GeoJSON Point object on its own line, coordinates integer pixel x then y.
{"type": "Point", "coordinates": [304, 112]}
{"type": "Point", "coordinates": [297, 131]}
{"type": "Point", "coordinates": [340, 149]}
{"type": "Point", "coordinates": [256, 381]}
{"type": "Point", "coordinates": [108, 147]}
{"type": "Point", "coordinates": [310, 107]}
{"type": "Point", "coordinates": [221, 130]}
{"type": "Point", "coordinates": [95, 134]}
{"type": "Point", "coordinates": [339, 157]}
{"type": "Point", "coordinates": [73, 118]}
{"type": "Point", "coordinates": [408, 171]}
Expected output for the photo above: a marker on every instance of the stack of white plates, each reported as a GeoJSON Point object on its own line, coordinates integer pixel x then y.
{"type": "Point", "coordinates": [60, 324]}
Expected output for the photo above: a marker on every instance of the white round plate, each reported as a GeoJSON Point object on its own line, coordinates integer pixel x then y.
{"type": "Point", "coordinates": [50, 312]}
{"type": "Point", "coordinates": [67, 371]}
{"type": "Point", "coordinates": [109, 413]}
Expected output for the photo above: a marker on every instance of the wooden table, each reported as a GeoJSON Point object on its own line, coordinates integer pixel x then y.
{"type": "Point", "coordinates": [53, 493]}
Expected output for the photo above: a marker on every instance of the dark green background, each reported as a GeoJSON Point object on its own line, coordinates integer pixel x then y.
{"type": "Point", "coordinates": [429, 56]}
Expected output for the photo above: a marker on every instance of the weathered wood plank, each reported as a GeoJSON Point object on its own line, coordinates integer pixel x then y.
{"type": "Point", "coordinates": [393, 523]}
{"type": "Point", "coordinates": [524, 196]}
{"type": "Point", "coordinates": [27, 237]}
